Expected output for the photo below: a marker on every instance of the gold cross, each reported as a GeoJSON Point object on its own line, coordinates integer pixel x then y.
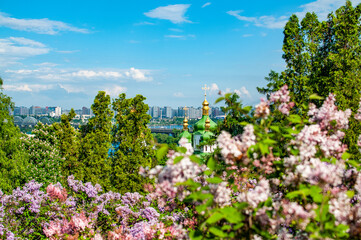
{"type": "Point", "coordinates": [205, 88]}
{"type": "Point", "coordinates": [185, 111]}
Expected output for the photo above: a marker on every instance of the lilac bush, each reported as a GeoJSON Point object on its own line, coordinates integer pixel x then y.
{"type": "Point", "coordinates": [84, 212]}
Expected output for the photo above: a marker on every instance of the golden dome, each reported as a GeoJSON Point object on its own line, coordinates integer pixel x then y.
{"type": "Point", "coordinates": [205, 107]}
{"type": "Point", "coordinates": [185, 124]}
{"type": "Point", "coordinates": [208, 124]}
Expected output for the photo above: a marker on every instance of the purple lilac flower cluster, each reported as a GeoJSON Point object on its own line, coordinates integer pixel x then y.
{"type": "Point", "coordinates": [83, 212]}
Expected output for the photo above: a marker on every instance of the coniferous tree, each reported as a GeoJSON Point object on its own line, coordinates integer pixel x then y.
{"type": "Point", "coordinates": [96, 142]}
{"type": "Point", "coordinates": [68, 141]}
{"type": "Point", "coordinates": [133, 143]}
{"type": "Point", "coordinates": [13, 161]}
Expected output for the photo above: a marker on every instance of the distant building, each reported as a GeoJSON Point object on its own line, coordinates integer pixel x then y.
{"type": "Point", "coordinates": [167, 112]}
{"type": "Point", "coordinates": [54, 111]}
{"type": "Point", "coordinates": [155, 113]}
{"type": "Point", "coordinates": [85, 111]}
{"type": "Point", "coordinates": [194, 113]}
{"type": "Point", "coordinates": [35, 110]}
{"type": "Point", "coordinates": [21, 111]}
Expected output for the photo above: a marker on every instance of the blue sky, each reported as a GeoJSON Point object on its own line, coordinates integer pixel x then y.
{"type": "Point", "coordinates": [61, 53]}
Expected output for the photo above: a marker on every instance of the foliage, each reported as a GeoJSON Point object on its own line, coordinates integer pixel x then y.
{"type": "Point", "coordinates": [96, 142]}
{"type": "Point", "coordinates": [235, 114]}
{"type": "Point", "coordinates": [133, 143]}
{"type": "Point", "coordinates": [322, 58]}
{"type": "Point", "coordinates": [13, 161]}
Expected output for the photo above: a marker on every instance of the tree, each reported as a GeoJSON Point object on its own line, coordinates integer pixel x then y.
{"type": "Point", "coordinates": [95, 145]}
{"type": "Point", "coordinates": [68, 141]}
{"type": "Point", "coordinates": [133, 143]}
{"type": "Point", "coordinates": [235, 115]}
{"type": "Point", "coordinates": [322, 58]}
{"type": "Point", "coordinates": [44, 156]}
{"type": "Point", "coordinates": [13, 161]}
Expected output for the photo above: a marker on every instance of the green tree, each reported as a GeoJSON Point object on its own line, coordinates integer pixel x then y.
{"type": "Point", "coordinates": [235, 115]}
{"type": "Point", "coordinates": [95, 145]}
{"type": "Point", "coordinates": [44, 155]}
{"type": "Point", "coordinates": [322, 58]}
{"type": "Point", "coordinates": [13, 161]}
{"type": "Point", "coordinates": [133, 143]}
{"type": "Point", "coordinates": [68, 142]}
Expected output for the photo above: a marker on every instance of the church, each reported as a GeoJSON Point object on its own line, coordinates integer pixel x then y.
{"type": "Point", "coordinates": [202, 130]}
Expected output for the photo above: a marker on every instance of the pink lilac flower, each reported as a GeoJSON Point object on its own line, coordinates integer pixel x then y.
{"type": "Point", "coordinates": [262, 109]}
{"type": "Point", "coordinates": [340, 207]}
{"type": "Point", "coordinates": [257, 195]}
{"type": "Point", "coordinates": [55, 192]}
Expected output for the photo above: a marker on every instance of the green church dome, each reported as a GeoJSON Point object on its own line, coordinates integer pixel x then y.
{"type": "Point", "coordinates": [187, 135]}
{"type": "Point", "coordinates": [201, 124]}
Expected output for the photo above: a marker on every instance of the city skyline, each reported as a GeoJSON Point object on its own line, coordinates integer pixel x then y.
{"type": "Point", "coordinates": [64, 52]}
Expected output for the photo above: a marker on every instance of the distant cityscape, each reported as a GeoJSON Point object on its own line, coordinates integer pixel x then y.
{"type": "Point", "coordinates": [85, 112]}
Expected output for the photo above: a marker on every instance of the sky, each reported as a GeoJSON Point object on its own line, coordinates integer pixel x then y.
{"type": "Point", "coordinates": [61, 53]}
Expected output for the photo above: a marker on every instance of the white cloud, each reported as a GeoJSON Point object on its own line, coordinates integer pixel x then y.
{"type": "Point", "coordinates": [27, 87]}
{"type": "Point", "coordinates": [242, 92]}
{"type": "Point", "coordinates": [21, 47]}
{"type": "Point", "coordinates": [206, 4]}
{"type": "Point", "coordinates": [13, 49]}
{"type": "Point", "coordinates": [143, 23]}
{"type": "Point", "coordinates": [180, 36]}
{"type": "Point", "coordinates": [92, 74]}
{"type": "Point", "coordinates": [26, 41]}
{"type": "Point", "coordinates": [138, 75]}
{"type": "Point", "coordinates": [321, 7]}
{"type": "Point", "coordinates": [71, 89]}
{"type": "Point", "coordinates": [115, 90]}
{"type": "Point", "coordinates": [263, 21]}
{"type": "Point", "coordinates": [175, 30]}
{"type": "Point", "coordinates": [174, 13]}
{"type": "Point", "coordinates": [247, 35]}
{"type": "Point", "coordinates": [67, 51]}
{"type": "Point", "coordinates": [178, 94]}
{"type": "Point", "coordinates": [42, 26]}
{"type": "Point", "coordinates": [214, 88]}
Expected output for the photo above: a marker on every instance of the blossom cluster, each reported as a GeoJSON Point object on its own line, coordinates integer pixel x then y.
{"type": "Point", "coordinates": [83, 212]}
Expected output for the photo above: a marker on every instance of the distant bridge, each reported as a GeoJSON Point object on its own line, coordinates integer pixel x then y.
{"type": "Point", "coordinates": [163, 130]}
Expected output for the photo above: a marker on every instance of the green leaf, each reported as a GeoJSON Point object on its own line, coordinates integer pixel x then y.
{"type": "Point", "coordinates": [218, 232]}
{"type": "Point", "coordinates": [177, 159]}
{"type": "Point", "coordinates": [350, 194]}
{"type": "Point", "coordinates": [214, 180]}
{"type": "Point", "coordinates": [214, 218]}
{"type": "Point", "coordinates": [162, 151]}
{"type": "Point", "coordinates": [231, 214]}
{"type": "Point", "coordinates": [247, 109]}
{"type": "Point", "coordinates": [316, 194]}
{"type": "Point", "coordinates": [182, 149]}
{"type": "Point", "coordinates": [315, 97]}
{"type": "Point", "coordinates": [195, 235]}
{"type": "Point", "coordinates": [269, 141]}
{"type": "Point", "coordinates": [295, 118]}
{"type": "Point", "coordinates": [219, 99]}
{"type": "Point", "coordinates": [346, 156]}
{"type": "Point", "coordinates": [196, 159]}
{"type": "Point", "coordinates": [264, 148]}
{"type": "Point", "coordinates": [303, 192]}
{"type": "Point", "coordinates": [211, 164]}
{"type": "Point", "coordinates": [275, 128]}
